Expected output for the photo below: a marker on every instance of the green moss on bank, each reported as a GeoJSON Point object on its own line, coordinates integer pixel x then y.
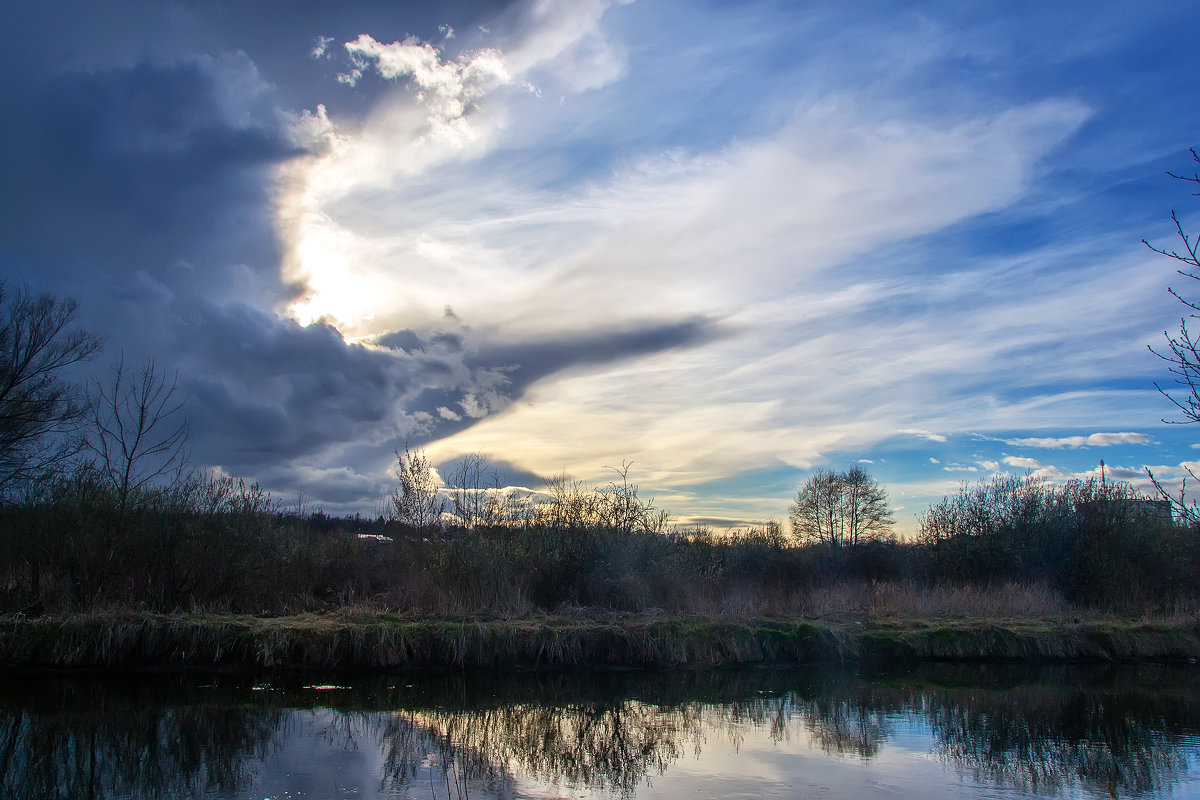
{"type": "Point", "coordinates": [380, 642]}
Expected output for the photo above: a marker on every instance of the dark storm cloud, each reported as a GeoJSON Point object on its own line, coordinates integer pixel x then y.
{"type": "Point", "coordinates": [145, 192]}
{"type": "Point", "coordinates": [264, 389]}
{"type": "Point", "coordinates": [413, 342]}
{"type": "Point", "coordinates": [141, 169]}
{"type": "Point", "coordinates": [527, 362]}
{"type": "Point", "coordinates": [468, 379]}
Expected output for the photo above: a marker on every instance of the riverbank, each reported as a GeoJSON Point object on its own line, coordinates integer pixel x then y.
{"type": "Point", "coordinates": [379, 641]}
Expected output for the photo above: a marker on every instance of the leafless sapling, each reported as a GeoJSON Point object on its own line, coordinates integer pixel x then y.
{"type": "Point", "coordinates": [138, 432]}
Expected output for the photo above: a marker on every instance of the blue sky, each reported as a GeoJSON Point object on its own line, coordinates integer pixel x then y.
{"type": "Point", "coordinates": [730, 243]}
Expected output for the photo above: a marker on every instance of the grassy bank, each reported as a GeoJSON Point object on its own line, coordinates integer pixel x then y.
{"type": "Point", "coordinates": [375, 641]}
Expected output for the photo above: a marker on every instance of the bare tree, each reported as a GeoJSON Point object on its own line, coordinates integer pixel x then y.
{"type": "Point", "coordinates": [572, 504]}
{"type": "Point", "coordinates": [1182, 351]}
{"type": "Point", "coordinates": [812, 512]}
{"type": "Point", "coordinates": [621, 509]}
{"type": "Point", "coordinates": [416, 501]}
{"type": "Point", "coordinates": [138, 430]}
{"type": "Point", "coordinates": [616, 507]}
{"type": "Point", "coordinates": [474, 492]}
{"type": "Point", "coordinates": [39, 409]}
{"type": "Point", "coordinates": [841, 509]}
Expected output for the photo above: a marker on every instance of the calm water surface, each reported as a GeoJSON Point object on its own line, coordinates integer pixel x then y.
{"type": "Point", "coordinates": [932, 731]}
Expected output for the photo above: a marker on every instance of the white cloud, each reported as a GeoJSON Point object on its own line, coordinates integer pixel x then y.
{"type": "Point", "coordinates": [447, 88]}
{"type": "Point", "coordinates": [926, 435]}
{"type": "Point", "coordinates": [1022, 462]}
{"type": "Point", "coordinates": [564, 42]}
{"type": "Point", "coordinates": [347, 265]}
{"type": "Point", "coordinates": [724, 235]}
{"type": "Point", "coordinates": [1092, 440]}
{"type": "Point", "coordinates": [321, 48]}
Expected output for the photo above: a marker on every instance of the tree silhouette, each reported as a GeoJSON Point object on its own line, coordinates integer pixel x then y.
{"type": "Point", "coordinates": [416, 501]}
{"type": "Point", "coordinates": [841, 509]}
{"type": "Point", "coordinates": [1182, 351]}
{"type": "Point", "coordinates": [138, 431]}
{"type": "Point", "coordinates": [39, 409]}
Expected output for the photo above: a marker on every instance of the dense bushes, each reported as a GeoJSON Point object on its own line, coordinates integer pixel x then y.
{"type": "Point", "coordinates": [213, 543]}
{"type": "Point", "coordinates": [217, 544]}
{"type": "Point", "coordinates": [1098, 542]}
{"type": "Point", "coordinates": [74, 542]}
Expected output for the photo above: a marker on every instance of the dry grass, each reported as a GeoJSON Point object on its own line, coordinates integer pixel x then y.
{"type": "Point", "coordinates": [1008, 601]}
{"type": "Point", "coordinates": [849, 601]}
{"type": "Point", "coordinates": [355, 639]}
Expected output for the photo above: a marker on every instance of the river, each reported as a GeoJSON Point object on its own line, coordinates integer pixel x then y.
{"type": "Point", "coordinates": [923, 730]}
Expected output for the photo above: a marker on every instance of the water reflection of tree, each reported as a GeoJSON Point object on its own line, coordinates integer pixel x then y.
{"type": "Point", "coordinates": [1047, 741]}
{"type": "Point", "coordinates": [1046, 731]}
{"type": "Point", "coordinates": [846, 727]}
{"type": "Point", "coordinates": [413, 751]}
{"type": "Point", "coordinates": [606, 747]}
{"type": "Point", "coordinates": [837, 724]}
{"type": "Point", "coordinates": [117, 752]}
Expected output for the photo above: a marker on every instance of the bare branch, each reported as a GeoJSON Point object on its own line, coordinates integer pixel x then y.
{"type": "Point", "coordinates": [841, 509]}
{"type": "Point", "coordinates": [138, 430]}
{"type": "Point", "coordinates": [39, 410]}
{"type": "Point", "coordinates": [1182, 353]}
{"type": "Point", "coordinates": [416, 501]}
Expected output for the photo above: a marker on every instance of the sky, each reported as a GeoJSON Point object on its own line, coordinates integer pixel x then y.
{"type": "Point", "coordinates": [724, 243]}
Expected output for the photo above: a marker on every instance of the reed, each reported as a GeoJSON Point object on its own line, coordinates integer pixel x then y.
{"type": "Point", "coordinates": [380, 641]}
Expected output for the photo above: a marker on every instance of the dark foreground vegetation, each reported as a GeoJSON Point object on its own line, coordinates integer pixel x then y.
{"type": "Point", "coordinates": [1015, 547]}
{"type": "Point", "coordinates": [212, 572]}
